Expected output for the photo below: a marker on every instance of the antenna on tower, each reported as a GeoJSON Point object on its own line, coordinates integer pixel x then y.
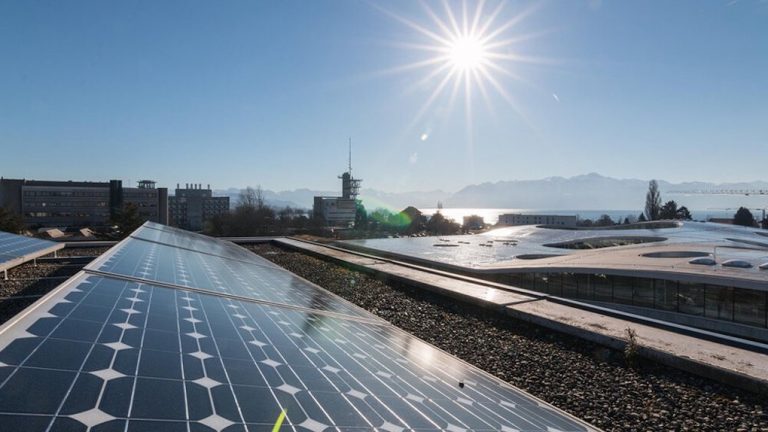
{"type": "Point", "coordinates": [350, 156]}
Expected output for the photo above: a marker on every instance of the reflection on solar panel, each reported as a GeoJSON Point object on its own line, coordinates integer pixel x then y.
{"type": "Point", "coordinates": [106, 352]}
{"type": "Point", "coordinates": [16, 249]}
{"type": "Point", "coordinates": [166, 265]}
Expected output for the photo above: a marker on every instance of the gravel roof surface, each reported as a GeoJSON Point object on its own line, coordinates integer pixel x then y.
{"type": "Point", "coordinates": [580, 377]}
{"type": "Point", "coordinates": [87, 251]}
{"type": "Point", "coordinates": [27, 283]}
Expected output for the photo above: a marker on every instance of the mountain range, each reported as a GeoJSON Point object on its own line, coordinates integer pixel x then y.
{"type": "Point", "coordinates": [589, 191]}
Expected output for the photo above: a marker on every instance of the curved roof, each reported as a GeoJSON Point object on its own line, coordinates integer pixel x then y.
{"type": "Point", "coordinates": [657, 253]}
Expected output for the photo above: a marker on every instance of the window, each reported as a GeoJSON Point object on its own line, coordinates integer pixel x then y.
{"type": "Point", "coordinates": [691, 298]}
{"type": "Point", "coordinates": [749, 307]}
{"type": "Point", "coordinates": [718, 302]}
{"type": "Point", "coordinates": [665, 293]}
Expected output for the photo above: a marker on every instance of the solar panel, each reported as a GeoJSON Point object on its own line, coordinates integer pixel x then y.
{"type": "Point", "coordinates": [125, 345]}
{"type": "Point", "coordinates": [111, 354]}
{"type": "Point", "coordinates": [183, 239]}
{"type": "Point", "coordinates": [16, 249]}
{"type": "Point", "coordinates": [158, 263]}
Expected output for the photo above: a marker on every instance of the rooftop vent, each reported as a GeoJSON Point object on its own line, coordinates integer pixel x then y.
{"type": "Point", "coordinates": [703, 261]}
{"type": "Point", "coordinates": [737, 263]}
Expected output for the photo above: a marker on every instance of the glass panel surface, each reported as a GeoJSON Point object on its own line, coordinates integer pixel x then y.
{"type": "Point", "coordinates": [585, 289]}
{"type": "Point", "coordinates": [160, 263]}
{"type": "Point", "coordinates": [749, 307]}
{"type": "Point", "coordinates": [602, 287]}
{"type": "Point", "coordinates": [14, 246]}
{"type": "Point", "coordinates": [544, 283]}
{"type": "Point", "coordinates": [644, 293]}
{"type": "Point", "coordinates": [719, 302]}
{"type": "Point", "coordinates": [110, 354]}
{"type": "Point", "coordinates": [666, 294]}
{"type": "Point", "coordinates": [623, 289]}
{"type": "Point", "coordinates": [691, 298]}
{"type": "Point", "coordinates": [570, 285]}
{"type": "Point", "coordinates": [197, 242]}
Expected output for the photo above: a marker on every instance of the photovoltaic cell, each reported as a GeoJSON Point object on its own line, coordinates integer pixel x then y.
{"type": "Point", "coordinates": [16, 249]}
{"type": "Point", "coordinates": [159, 337]}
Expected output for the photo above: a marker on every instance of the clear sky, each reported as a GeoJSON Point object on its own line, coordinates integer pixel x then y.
{"type": "Point", "coordinates": [267, 92]}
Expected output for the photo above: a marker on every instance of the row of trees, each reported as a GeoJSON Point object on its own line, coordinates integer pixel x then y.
{"type": "Point", "coordinates": [408, 221]}
{"type": "Point", "coordinates": [253, 217]}
{"type": "Point", "coordinates": [655, 210]}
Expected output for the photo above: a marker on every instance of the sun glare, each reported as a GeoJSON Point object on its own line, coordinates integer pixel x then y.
{"type": "Point", "coordinates": [468, 50]}
{"type": "Point", "coordinates": [467, 53]}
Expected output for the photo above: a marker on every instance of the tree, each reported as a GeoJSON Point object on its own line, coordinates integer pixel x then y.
{"type": "Point", "coordinates": [652, 201]}
{"type": "Point", "coordinates": [361, 216]}
{"type": "Point", "coordinates": [438, 224]}
{"type": "Point", "coordinates": [743, 217]}
{"type": "Point", "coordinates": [668, 210]}
{"type": "Point", "coordinates": [642, 218]}
{"type": "Point", "coordinates": [10, 221]}
{"type": "Point", "coordinates": [127, 219]}
{"type": "Point", "coordinates": [251, 198]}
{"type": "Point", "coordinates": [411, 219]}
{"type": "Point", "coordinates": [251, 216]}
{"type": "Point", "coordinates": [683, 213]}
{"type": "Point", "coordinates": [604, 220]}
{"type": "Point", "coordinates": [379, 218]}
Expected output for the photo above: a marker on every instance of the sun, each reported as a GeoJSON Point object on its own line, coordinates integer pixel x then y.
{"type": "Point", "coordinates": [467, 53]}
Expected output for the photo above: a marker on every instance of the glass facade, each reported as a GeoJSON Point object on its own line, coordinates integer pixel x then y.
{"type": "Point", "coordinates": [743, 306]}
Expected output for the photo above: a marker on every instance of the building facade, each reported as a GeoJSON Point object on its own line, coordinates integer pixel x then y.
{"type": "Point", "coordinates": [339, 211]}
{"type": "Point", "coordinates": [534, 219]}
{"type": "Point", "coordinates": [190, 208]}
{"type": "Point", "coordinates": [151, 202]}
{"type": "Point", "coordinates": [71, 204]}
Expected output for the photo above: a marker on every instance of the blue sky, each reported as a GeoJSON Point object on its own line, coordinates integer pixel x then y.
{"type": "Point", "coordinates": [256, 92]}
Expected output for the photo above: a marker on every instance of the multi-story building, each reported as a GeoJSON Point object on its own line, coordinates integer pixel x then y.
{"type": "Point", "coordinates": [151, 202]}
{"type": "Point", "coordinates": [339, 211]}
{"type": "Point", "coordinates": [535, 219]}
{"type": "Point", "coordinates": [72, 204]}
{"type": "Point", "coordinates": [192, 206]}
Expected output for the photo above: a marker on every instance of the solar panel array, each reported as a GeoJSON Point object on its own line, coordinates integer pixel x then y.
{"type": "Point", "coordinates": [16, 249]}
{"type": "Point", "coordinates": [206, 338]}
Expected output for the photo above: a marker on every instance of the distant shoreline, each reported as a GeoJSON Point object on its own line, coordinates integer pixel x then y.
{"type": "Point", "coordinates": [491, 215]}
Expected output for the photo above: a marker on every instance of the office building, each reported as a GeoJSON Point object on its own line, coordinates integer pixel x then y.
{"type": "Point", "coordinates": [192, 206]}
{"type": "Point", "coordinates": [536, 219]}
{"type": "Point", "coordinates": [77, 204]}
{"type": "Point", "coordinates": [339, 211]}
